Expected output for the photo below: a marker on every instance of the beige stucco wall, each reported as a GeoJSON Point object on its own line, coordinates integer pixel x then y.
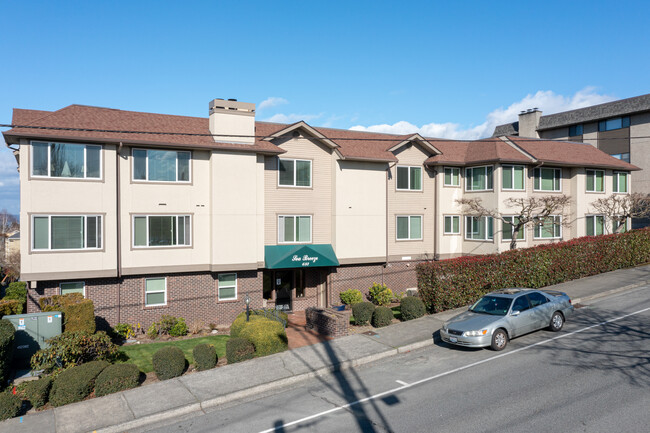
{"type": "Point", "coordinates": [640, 152]}
{"type": "Point", "coordinates": [448, 244]}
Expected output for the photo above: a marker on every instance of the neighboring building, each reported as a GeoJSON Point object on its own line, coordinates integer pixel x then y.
{"type": "Point", "coordinates": [189, 216]}
{"type": "Point", "coordinates": [9, 244]}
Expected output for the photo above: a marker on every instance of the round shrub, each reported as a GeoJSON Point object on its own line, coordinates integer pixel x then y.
{"type": "Point", "coordinates": [76, 383]}
{"type": "Point", "coordinates": [205, 356]}
{"type": "Point", "coordinates": [37, 391]}
{"type": "Point", "coordinates": [380, 295]}
{"type": "Point", "coordinates": [9, 405]}
{"type": "Point", "coordinates": [116, 378]}
{"type": "Point", "coordinates": [74, 348]}
{"type": "Point", "coordinates": [239, 349]}
{"type": "Point", "coordinates": [268, 336]}
{"type": "Point", "coordinates": [382, 316]}
{"type": "Point", "coordinates": [168, 362]}
{"type": "Point", "coordinates": [179, 329]}
{"type": "Point", "coordinates": [240, 321]}
{"type": "Point", "coordinates": [351, 297]}
{"type": "Point", "coordinates": [412, 307]}
{"type": "Point", "coordinates": [7, 332]}
{"type": "Point", "coordinates": [362, 312]}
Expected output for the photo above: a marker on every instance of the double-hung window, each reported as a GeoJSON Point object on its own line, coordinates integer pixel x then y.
{"type": "Point", "coordinates": [294, 229]}
{"type": "Point", "coordinates": [508, 228]}
{"type": "Point", "coordinates": [294, 172]}
{"type": "Point", "coordinates": [479, 228]}
{"type": "Point", "coordinates": [513, 177]}
{"type": "Point", "coordinates": [66, 232]}
{"type": "Point", "coordinates": [155, 291]}
{"type": "Point", "coordinates": [595, 181]}
{"type": "Point", "coordinates": [161, 230]}
{"type": "Point", "coordinates": [227, 287]}
{"type": "Point", "coordinates": [547, 179]}
{"type": "Point", "coordinates": [161, 165]}
{"type": "Point", "coordinates": [452, 224]}
{"type": "Point", "coordinates": [66, 160]}
{"type": "Point", "coordinates": [620, 181]}
{"type": "Point", "coordinates": [595, 225]}
{"type": "Point", "coordinates": [409, 178]}
{"type": "Point", "coordinates": [452, 176]}
{"type": "Point", "coordinates": [478, 178]}
{"type": "Point", "coordinates": [550, 228]}
{"type": "Point", "coordinates": [409, 227]}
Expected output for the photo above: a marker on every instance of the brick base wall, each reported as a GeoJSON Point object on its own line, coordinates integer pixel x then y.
{"type": "Point", "coordinates": [327, 321]}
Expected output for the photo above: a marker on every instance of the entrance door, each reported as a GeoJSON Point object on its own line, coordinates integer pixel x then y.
{"type": "Point", "coordinates": [283, 282]}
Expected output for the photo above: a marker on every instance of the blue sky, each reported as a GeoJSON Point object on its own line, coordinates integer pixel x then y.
{"type": "Point", "coordinates": [446, 69]}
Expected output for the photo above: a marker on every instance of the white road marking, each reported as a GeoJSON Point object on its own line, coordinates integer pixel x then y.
{"type": "Point", "coordinates": [401, 382]}
{"type": "Point", "coordinates": [447, 373]}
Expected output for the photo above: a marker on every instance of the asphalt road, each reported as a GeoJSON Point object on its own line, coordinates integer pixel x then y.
{"type": "Point", "coordinates": [593, 376]}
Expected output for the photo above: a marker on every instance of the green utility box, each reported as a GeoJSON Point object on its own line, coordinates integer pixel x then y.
{"type": "Point", "coordinates": [32, 330]}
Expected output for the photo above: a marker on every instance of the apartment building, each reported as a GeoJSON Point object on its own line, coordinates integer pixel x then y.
{"type": "Point", "coordinates": [150, 214]}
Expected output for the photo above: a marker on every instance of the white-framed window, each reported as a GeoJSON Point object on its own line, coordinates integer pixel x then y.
{"type": "Point", "coordinates": [551, 228]}
{"type": "Point", "coordinates": [72, 287]}
{"type": "Point", "coordinates": [155, 291]}
{"type": "Point", "coordinates": [294, 172]}
{"type": "Point", "coordinates": [409, 228]}
{"type": "Point", "coordinates": [452, 176]}
{"type": "Point", "coordinates": [479, 228]}
{"type": "Point", "coordinates": [595, 225]}
{"type": "Point", "coordinates": [513, 177]}
{"type": "Point", "coordinates": [409, 178]}
{"type": "Point", "coordinates": [595, 181]}
{"type": "Point", "coordinates": [161, 231]}
{"type": "Point", "coordinates": [294, 229]}
{"type": "Point", "coordinates": [479, 178]}
{"type": "Point", "coordinates": [452, 224]}
{"type": "Point", "coordinates": [154, 165]}
{"type": "Point", "coordinates": [620, 181]}
{"type": "Point", "coordinates": [616, 224]}
{"type": "Point", "coordinates": [547, 179]}
{"type": "Point", "coordinates": [66, 232]}
{"type": "Point", "coordinates": [66, 160]}
{"type": "Point", "coordinates": [227, 287]}
{"type": "Point", "coordinates": [507, 229]}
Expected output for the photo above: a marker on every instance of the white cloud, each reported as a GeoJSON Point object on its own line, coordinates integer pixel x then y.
{"type": "Point", "coordinates": [291, 118]}
{"type": "Point", "coordinates": [273, 101]}
{"type": "Point", "coordinates": [546, 100]}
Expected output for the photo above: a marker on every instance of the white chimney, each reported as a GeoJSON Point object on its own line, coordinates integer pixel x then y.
{"type": "Point", "coordinates": [529, 122]}
{"type": "Point", "coordinates": [232, 117]}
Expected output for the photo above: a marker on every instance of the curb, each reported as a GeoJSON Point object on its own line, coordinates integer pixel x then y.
{"type": "Point", "coordinates": [610, 292]}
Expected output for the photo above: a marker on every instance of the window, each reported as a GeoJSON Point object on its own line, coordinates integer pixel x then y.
{"type": "Point", "coordinates": [548, 179]}
{"type": "Point", "coordinates": [616, 224]}
{"type": "Point", "coordinates": [622, 156]}
{"type": "Point", "coordinates": [479, 228]}
{"type": "Point", "coordinates": [521, 304]}
{"type": "Point", "coordinates": [73, 287]}
{"type": "Point", "coordinates": [575, 130]}
{"type": "Point", "coordinates": [294, 228]}
{"type": "Point", "coordinates": [595, 181]}
{"type": "Point", "coordinates": [67, 160]}
{"type": "Point", "coordinates": [66, 232]}
{"type": "Point", "coordinates": [161, 230]}
{"type": "Point", "coordinates": [537, 299]}
{"type": "Point", "coordinates": [595, 225]}
{"type": "Point", "coordinates": [227, 287]}
{"type": "Point", "coordinates": [155, 291]}
{"type": "Point", "coordinates": [478, 178]}
{"type": "Point", "coordinates": [551, 228]}
{"type": "Point", "coordinates": [615, 123]}
{"type": "Point", "coordinates": [452, 224]}
{"type": "Point", "coordinates": [513, 177]}
{"type": "Point", "coordinates": [161, 165]}
{"type": "Point", "coordinates": [508, 228]}
{"type": "Point", "coordinates": [620, 181]}
{"type": "Point", "coordinates": [294, 172]}
{"type": "Point", "coordinates": [452, 176]}
{"type": "Point", "coordinates": [409, 178]}
{"type": "Point", "coordinates": [409, 227]}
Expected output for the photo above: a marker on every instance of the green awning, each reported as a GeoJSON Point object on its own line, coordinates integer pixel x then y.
{"type": "Point", "coordinates": [299, 256]}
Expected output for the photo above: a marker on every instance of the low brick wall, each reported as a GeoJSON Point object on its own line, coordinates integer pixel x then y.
{"type": "Point", "coordinates": [327, 321]}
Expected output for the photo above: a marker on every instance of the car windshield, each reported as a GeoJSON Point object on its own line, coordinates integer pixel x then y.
{"type": "Point", "coordinates": [495, 305]}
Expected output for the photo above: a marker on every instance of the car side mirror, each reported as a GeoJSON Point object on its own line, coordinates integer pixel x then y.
{"type": "Point", "coordinates": [515, 313]}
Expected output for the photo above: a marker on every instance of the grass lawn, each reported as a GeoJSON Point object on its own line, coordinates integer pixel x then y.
{"type": "Point", "coordinates": [140, 354]}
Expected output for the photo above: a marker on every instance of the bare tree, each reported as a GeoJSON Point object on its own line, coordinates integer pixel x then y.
{"type": "Point", "coordinates": [620, 207]}
{"type": "Point", "coordinates": [525, 211]}
{"type": "Point", "coordinates": [11, 266]}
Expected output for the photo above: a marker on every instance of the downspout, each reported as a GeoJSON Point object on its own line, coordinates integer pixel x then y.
{"type": "Point", "coordinates": [387, 221]}
{"type": "Point", "coordinates": [436, 215]}
{"type": "Point", "coordinates": [119, 236]}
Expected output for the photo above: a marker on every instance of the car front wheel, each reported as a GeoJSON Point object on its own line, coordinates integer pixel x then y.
{"type": "Point", "coordinates": [557, 322]}
{"type": "Point", "coordinates": [499, 340]}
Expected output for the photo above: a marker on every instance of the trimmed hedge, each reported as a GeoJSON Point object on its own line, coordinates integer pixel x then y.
{"type": "Point", "coordinates": [351, 297]}
{"type": "Point", "coordinates": [74, 348]}
{"type": "Point", "coordinates": [412, 307]}
{"type": "Point", "coordinates": [362, 312]}
{"type": "Point", "coordinates": [76, 383]}
{"type": "Point", "coordinates": [10, 306]}
{"type": "Point", "coordinates": [239, 349]}
{"type": "Point", "coordinates": [16, 291]}
{"type": "Point", "coordinates": [78, 312]}
{"type": "Point", "coordinates": [168, 362]}
{"type": "Point", "coordinates": [37, 391]}
{"type": "Point", "coordinates": [454, 283]}
{"type": "Point", "coordinates": [382, 316]}
{"type": "Point", "coordinates": [205, 356]}
{"type": "Point", "coordinates": [267, 335]}
{"type": "Point", "coordinates": [7, 334]}
{"type": "Point", "coordinates": [116, 378]}
{"type": "Point", "coordinates": [9, 405]}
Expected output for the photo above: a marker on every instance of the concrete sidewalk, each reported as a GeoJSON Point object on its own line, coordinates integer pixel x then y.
{"type": "Point", "coordinates": [193, 393]}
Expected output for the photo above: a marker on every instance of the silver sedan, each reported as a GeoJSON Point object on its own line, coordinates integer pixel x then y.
{"type": "Point", "coordinates": [499, 316]}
